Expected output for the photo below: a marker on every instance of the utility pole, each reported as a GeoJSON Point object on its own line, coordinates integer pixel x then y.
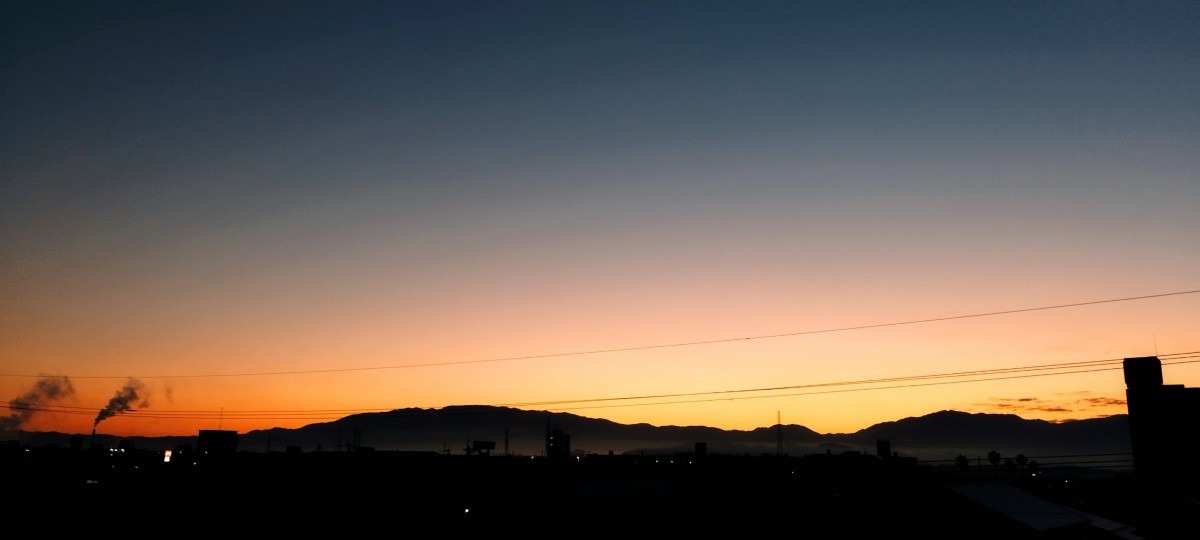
{"type": "Point", "coordinates": [779, 434]}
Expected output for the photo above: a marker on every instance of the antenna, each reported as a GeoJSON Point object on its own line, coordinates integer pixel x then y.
{"type": "Point", "coordinates": [779, 435]}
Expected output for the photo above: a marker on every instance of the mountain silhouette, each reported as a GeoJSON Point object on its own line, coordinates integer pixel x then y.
{"type": "Point", "coordinates": [946, 434]}
{"type": "Point", "coordinates": [933, 437]}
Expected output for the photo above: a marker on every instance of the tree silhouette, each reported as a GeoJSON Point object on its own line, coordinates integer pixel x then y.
{"type": "Point", "coordinates": [994, 459]}
{"type": "Point", "coordinates": [962, 464]}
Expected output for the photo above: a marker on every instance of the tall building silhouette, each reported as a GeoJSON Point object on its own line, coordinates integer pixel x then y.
{"type": "Point", "coordinates": [1163, 433]}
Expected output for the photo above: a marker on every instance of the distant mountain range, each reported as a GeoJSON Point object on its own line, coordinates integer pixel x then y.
{"type": "Point", "coordinates": [934, 437]}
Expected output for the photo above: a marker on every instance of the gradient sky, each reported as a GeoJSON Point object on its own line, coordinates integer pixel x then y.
{"type": "Point", "coordinates": [242, 215]}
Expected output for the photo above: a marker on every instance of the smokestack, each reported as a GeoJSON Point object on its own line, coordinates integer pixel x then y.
{"type": "Point", "coordinates": [92, 442]}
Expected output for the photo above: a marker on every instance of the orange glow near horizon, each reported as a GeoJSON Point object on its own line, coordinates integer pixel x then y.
{"type": "Point", "coordinates": [832, 382]}
{"type": "Point", "coordinates": [694, 214]}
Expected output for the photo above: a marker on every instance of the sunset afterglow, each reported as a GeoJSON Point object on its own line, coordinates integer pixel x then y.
{"type": "Point", "coordinates": [240, 216]}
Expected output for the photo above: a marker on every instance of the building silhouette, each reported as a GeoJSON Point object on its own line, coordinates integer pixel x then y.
{"type": "Point", "coordinates": [558, 444]}
{"type": "Point", "coordinates": [217, 442]}
{"type": "Point", "coordinates": [1164, 438]}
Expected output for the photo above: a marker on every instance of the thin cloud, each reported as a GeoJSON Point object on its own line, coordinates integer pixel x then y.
{"type": "Point", "coordinates": [1065, 402]}
{"type": "Point", "coordinates": [1050, 408]}
{"type": "Point", "coordinates": [1024, 404]}
{"type": "Point", "coordinates": [1103, 402]}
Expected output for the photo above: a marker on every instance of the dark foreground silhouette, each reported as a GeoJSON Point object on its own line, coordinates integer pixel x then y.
{"type": "Point", "coordinates": [397, 493]}
{"type": "Point", "coordinates": [219, 490]}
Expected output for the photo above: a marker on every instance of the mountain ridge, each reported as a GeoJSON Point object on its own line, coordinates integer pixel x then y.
{"type": "Point", "coordinates": [936, 436]}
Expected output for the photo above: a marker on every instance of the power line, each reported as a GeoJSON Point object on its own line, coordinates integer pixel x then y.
{"type": "Point", "coordinates": [628, 349]}
{"type": "Point", "coordinates": [738, 398]}
{"type": "Point", "coordinates": [867, 381]}
{"type": "Point", "coordinates": [1060, 456]}
{"type": "Point", "coordinates": [327, 414]}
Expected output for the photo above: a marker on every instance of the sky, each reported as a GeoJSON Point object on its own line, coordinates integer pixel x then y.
{"type": "Point", "coordinates": [244, 215]}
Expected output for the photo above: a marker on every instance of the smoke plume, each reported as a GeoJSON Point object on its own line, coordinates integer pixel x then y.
{"type": "Point", "coordinates": [46, 390]}
{"type": "Point", "coordinates": [126, 398]}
